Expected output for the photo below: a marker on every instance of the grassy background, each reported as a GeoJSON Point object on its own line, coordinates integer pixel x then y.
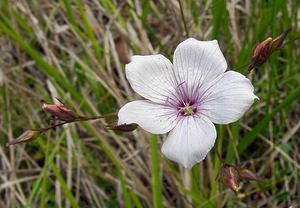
{"type": "Point", "coordinates": [77, 50]}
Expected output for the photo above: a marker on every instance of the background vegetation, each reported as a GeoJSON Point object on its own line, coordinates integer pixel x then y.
{"type": "Point", "coordinates": [77, 50]}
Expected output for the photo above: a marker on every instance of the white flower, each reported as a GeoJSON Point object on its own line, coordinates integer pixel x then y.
{"type": "Point", "coordinates": [185, 98]}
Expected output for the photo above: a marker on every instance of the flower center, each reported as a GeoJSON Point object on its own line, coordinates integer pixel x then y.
{"type": "Point", "coordinates": [188, 110]}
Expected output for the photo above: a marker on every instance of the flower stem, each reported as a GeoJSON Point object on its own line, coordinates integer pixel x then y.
{"type": "Point", "coordinates": [187, 179]}
{"type": "Point", "coordinates": [240, 67]}
{"type": "Point", "coordinates": [234, 144]}
{"type": "Point", "coordinates": [156, 173]}
{"type": "Point", "coordinates": [183, 19]}
{"type": "Point", "coordinates": [78, 119]}
{"type": "Point", "coordinates": [42, 130]}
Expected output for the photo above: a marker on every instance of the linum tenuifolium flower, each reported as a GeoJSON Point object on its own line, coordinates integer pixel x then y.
{"type": "Point", "coordinates": [185, 98]}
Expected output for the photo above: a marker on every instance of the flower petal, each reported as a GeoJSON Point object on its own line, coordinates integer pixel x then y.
{"type": "Point", "coordinates": [154, 118]}
{"type": "Point", "coordinates": [190, 140]}
{"type": "Point", "coordinates": [227, 98]}
{"type": "Point", "coordinates": [151, 77]}
{"type": "Point", "coordinates": [198, 62]}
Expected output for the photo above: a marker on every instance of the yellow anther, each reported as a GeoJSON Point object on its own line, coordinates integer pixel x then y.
{"type": "Point", "coordinates": [188, 110]}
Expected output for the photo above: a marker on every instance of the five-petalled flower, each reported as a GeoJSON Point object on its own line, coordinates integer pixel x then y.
{"type": "Point", "coordinates": [185, 98]}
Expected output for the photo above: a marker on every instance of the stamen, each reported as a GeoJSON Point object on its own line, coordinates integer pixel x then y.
{"type": "Point", "coordinates": [188, 110]}
{"type": "Point", "coordinates": [180, 84]}
{"type": "Point", "coordinates": [170, 102]}
{"type": "Point", "coordinates": [167, 100]}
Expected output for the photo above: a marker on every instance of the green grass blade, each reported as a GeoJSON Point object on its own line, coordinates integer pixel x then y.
{"type": "Point", "coordinates": [45, 178]}
{"type": "Point", "coordinates": [64, 186]}
{"type": "Point", "coordinates": [89, 31]}
{"type": "Point", "coordinates": [156, 173]}
{"type": "Point", "coordinates": [218, 13]}
{"type": "Point", "coordinates": [126, 196]}
{"type": "Point", "coordinates": [37, 183]}
{"type": "Point", "coordinates": [135, 199]}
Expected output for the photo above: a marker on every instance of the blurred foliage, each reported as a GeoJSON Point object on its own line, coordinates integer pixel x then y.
{"type": "Point", "coordinates": [76, 50]}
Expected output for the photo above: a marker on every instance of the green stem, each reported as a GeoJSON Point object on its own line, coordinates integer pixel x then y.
{"type": "Point", "coordinates": [156, 175]}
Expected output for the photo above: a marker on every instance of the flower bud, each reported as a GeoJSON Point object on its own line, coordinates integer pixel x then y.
{"type": "Point", "coordinates": [230, 176]}
{"type": "Point", "coordinates": [247, 174]}
{"type": "Point", "coordinates": [277, 42]}
{"type": "Point", "coordinates": [263, 50]}
{"type": "Point", "coordinates": [123, 127]}
{"type": "Point", "coordinates": [61, 112]}
{"type": "Point", "coordinates": [27, 136]}
{"type": "Point", "coordinates": [261, 53]}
